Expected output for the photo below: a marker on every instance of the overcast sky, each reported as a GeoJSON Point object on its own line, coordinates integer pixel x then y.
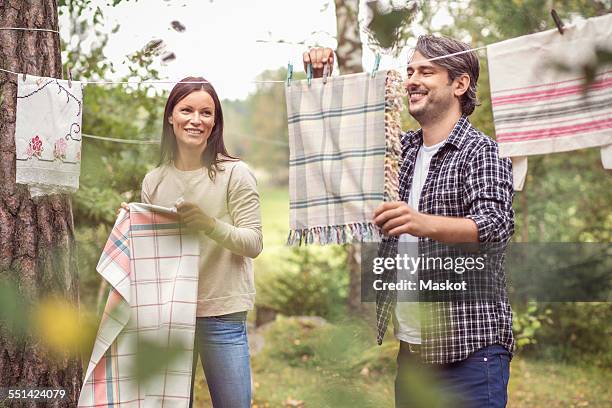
{"type": "Point", "coordinates": [220, 40]}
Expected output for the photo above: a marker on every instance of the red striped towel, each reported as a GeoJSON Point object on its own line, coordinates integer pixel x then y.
{"type": "Point", "coordinates": [539, 108]}
{"type": "Point", "coordinates": [153, 272]}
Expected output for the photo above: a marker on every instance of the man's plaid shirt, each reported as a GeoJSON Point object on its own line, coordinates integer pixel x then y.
{"type": "Point", "coordinates": [466, 178]}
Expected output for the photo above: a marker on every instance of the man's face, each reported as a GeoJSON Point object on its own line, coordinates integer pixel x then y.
{"type": "Point", "coordinates": [430, 93]}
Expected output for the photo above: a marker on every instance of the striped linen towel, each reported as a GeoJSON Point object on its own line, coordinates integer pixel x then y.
{"type": "Point", "coordinates": [153, 273]}
{"type": "Point", "coordinates": [344, 152]}
{"type": "Point", "coordinates": [539, 108]}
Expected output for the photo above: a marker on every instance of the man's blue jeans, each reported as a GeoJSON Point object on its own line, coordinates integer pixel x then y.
{"type": "Point", "coordinates": [480, 381]}
{"type": "Point", "coordinates": [221, 342]}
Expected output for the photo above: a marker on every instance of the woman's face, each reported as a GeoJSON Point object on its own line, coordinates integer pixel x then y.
{"type": "Point", "coordinates": [192, 120]}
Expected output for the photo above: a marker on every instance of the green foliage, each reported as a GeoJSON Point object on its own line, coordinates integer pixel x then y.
{"type": "Point", "coordinates": [269, 148]}
{"type": "Point", "coordinates": [307, 281]}
{"type": "Point", "coordinates": [387, 29]}
{"type": "Point", "coordinates": [576, 333]}
{"type": "Point", "coordinates": [526, 323]}
{"type": "Point", "coordinates": [93, 290]}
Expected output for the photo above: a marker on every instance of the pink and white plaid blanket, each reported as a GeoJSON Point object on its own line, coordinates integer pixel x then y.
{"type": "Point", "coordinates": [153, 271]}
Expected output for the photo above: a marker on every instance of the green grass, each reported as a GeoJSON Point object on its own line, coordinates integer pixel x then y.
{"type": "Point", "coordinates": [275, 222]}
{"type": "Point", "coordinates": [340, 366]}
{"type": "Point", "coordinates": [275, 216]}
{"type": "Point", "coordinates": [540, 383]}
{"type": "Point", "coordinates": [318, 365]}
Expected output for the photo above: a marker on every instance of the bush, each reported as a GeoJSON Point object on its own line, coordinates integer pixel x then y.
{"type": "Point", "coordinates": [578, 332]}
{"type": "Point", "coordinates": [90, 242]}
{"type": "Point", "coordinates": [526, 324]}
{"type": "Point", "coordinates": [306, 281]}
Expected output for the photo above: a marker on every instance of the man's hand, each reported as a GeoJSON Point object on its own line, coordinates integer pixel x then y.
{"type": "Point", "coordinates": [319, 57]}
{"type": "Point", "coordinates": [397, 217]}
{"type": "Point", "coordinates": [194, 218]}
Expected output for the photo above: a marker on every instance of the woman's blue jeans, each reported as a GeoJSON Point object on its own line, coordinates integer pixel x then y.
{"type": "Point", "coordinates": [221, 342]}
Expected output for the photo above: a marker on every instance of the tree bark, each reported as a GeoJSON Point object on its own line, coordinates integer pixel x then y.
{"type": "Point", "coordinates": [37, 241]}
{"type": "Point", "coordinates": [349, 53]}
{"type": "Point", "coordinates": [349, 49]}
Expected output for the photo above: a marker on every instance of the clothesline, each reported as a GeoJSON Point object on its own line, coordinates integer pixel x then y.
{"type": "Point", "coordinates": [85, 82]}
{"type": "Point", "coordinates": [156, 142]}
{"type": "Point", "coordinates": [29, 29]}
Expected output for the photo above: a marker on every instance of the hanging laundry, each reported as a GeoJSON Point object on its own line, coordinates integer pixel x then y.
{"type": "Point", "coordinates": [153, 271]}
{"type": "Point", "coordinates": [540, 108]}
{"type": "Point", "coordinates": [48, 134]}
{"type": "Point", "coordinates": [344, 152]}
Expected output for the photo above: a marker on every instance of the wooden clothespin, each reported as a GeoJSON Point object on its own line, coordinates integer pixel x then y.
{"type": "Point", "coordinates": [557, 21]}
{"type": "Point", "coordinates": [69, 77]}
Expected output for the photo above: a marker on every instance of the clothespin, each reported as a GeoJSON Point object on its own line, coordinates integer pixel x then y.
{"type": "Point", "coordinates": [69, 77]}
{"type": "Point", "coordinates": [376, 64]}
{"type": "Point", "coordinates": [557, 21]}
{"type": "Point", "coordinates": [289, 73]}
{"type": "Point", "coordinates": [309, 73]}
{"type": "Point", "coordinates": [23, 76]}
{"type": "Point", "coordinates": [325, 73]}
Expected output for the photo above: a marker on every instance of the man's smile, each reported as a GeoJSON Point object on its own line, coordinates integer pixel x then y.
{"type": "Point", "coordinates": [417, 95]}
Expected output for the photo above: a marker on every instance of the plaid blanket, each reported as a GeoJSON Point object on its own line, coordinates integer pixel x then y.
{"type": "Point", "coordinates": [540, 105]}
{"type": "Point", "coordinates": [153, 272]}
{"type": "Point", "coordinates": [344, 151]}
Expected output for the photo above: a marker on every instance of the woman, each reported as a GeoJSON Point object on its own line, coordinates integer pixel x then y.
{"type": "Point", "coordinates": [217, 199]}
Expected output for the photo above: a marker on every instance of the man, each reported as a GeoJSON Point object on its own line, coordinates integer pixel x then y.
{"type": "Point", "coordinates": [454, 188]}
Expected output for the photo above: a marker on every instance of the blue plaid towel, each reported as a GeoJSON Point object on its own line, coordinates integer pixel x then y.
{"type": "Point", "coordinates": [344, 151]}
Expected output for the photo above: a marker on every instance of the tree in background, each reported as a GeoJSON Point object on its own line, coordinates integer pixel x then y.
{"type": "Point", "coordinates": [37, 237]}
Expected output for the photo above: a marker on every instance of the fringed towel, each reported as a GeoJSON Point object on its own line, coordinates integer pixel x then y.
{"type": "Point", "coordinates": [48, 134]}
{"type": "Point", "coordinates": [344, 152]}
{"type": "Point", "coordinates": [153, 272]}
{"type": "Point", "coordinates": [539, 108]}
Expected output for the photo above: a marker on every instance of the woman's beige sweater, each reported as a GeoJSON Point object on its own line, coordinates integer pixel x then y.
{"type": "Point", "coordinates": [226, 283]}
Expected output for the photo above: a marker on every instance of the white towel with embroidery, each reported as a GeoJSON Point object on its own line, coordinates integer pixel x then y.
{"type": "Point", "coordinates": [539, 108]}
{"type": "Point", "coordinates": [48, 134]}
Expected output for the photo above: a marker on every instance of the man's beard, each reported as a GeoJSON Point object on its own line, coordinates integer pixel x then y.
{"type": "Point", "coordinates": [433, 110]}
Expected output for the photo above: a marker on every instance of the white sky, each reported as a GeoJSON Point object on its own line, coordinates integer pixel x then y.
{"type": "Point", "coordinates": [220, 38]}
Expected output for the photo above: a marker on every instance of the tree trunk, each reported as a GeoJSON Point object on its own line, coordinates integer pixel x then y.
{"type": "Point", "coordinates": [37, 243]}
{"type": "Point", "coordinates": [349, 53]}
{"type": "Point", "coordinates": [349, 50]}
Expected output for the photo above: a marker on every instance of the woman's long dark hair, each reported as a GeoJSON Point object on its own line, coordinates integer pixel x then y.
{"type": "Point", "coordinates": [215, 152]}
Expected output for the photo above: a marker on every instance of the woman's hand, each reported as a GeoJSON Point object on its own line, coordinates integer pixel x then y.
{"type": "Point", "coordinates": [194, 218]}
{"type": "Point", "coordinates": [123, 205]}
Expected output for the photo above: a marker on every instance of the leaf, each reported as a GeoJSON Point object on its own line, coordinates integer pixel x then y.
{"type": "Point", "coordinates": [384, 29]}
{"type": "Point", "coordinates": [177, 26]}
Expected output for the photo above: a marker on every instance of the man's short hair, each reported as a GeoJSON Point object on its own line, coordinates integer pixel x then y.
{"type": "Point", "coordinates": [431, 46]}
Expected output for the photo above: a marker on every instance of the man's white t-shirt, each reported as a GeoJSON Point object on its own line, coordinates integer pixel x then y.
{"type": "Point", "coordinates": [407, 308]}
